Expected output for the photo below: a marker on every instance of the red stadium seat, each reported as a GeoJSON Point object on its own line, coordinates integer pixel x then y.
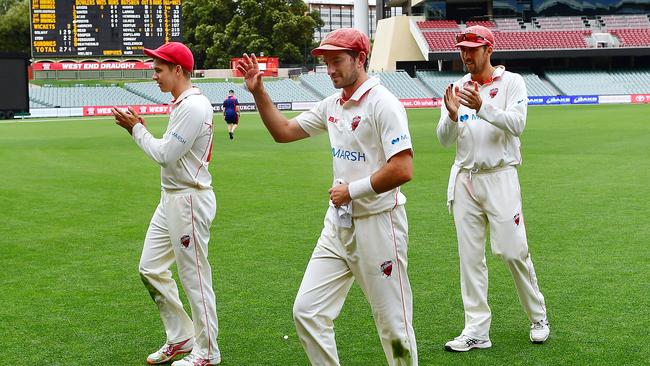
{"type": "Point", "coordinates": [632, 37]}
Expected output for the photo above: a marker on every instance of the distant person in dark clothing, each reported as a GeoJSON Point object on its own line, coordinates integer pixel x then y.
{"type": "Point", "coordinates": [231, 113]}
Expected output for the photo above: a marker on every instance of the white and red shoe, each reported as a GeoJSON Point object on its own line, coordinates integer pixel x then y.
{"type": "Point", "coordinates": [169, 351]}
{"type": "Point", "coordinates": [194, 360]}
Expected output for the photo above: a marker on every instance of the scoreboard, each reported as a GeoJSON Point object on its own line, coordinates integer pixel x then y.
{"type": "Point", "coordinates": [82, 28]}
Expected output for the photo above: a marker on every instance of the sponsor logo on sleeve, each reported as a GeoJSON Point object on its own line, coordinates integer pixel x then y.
{"type": "Point", "coordinates": [399, 138]}
{"type": "Point", "coordinates": [178, 137]}
{"type": "Point", "coordinates": [464, 117]}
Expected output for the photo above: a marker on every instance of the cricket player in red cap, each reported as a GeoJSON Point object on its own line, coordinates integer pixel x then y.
{"type": "Point", "coordinates": [484, 113]}
{"type": "Point", "coordinates": [365, 232]}
{"type": "Point", "coordinates": [180, 228]}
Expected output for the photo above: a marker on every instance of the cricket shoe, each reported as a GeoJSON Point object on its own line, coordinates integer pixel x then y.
{"type": "Point", "coordinates": [168, 351]}
{"type": "Point", "coordinates": [464, 343]}
{"type": "Point", "coordinates": [539, 331]}
{"type": "Point", "coordinates": [194, 360]}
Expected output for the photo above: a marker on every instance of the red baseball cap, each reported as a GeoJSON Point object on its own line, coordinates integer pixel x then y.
{"type": "Point", "coordinates": [174, 52]}
{"type": "Point", "coordinates": [475, 36]}
{"type": "Point", "coordinates": [342, 39]}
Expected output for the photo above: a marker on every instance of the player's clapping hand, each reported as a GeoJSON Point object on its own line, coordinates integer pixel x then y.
{"type": "Point", "coordinates": [451, 101]}
{"type": "Point", "coordinates": [127, 118]}
{"type": "Point", "coordinates": [340, 195]}
{"type": "Point", "coordinates": [249, 67]}
{"type": "Point", "coordinates": [470, 97]}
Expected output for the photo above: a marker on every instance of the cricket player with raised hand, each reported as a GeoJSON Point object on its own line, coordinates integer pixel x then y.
{"type": "Point", "coordinates": [365, 234]}
{"type": "Point", "coordinates": [484, 113]}
{"type": "Point", "coordinates": [180, 227]}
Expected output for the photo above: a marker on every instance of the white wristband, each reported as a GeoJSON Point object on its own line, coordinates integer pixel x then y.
{"type": "Point", "coordinates": [361, 188]}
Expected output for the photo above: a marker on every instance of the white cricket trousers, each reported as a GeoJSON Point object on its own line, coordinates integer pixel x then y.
{"type": "Point", "coordinates": [179, 232]}
{"type": "Point", "coordinates": [492, 199]}
{"type": "Point", "coordinates": [374, 252]}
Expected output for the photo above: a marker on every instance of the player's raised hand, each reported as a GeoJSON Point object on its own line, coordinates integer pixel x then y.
{"type": "Point", "coordinates": [470, 97]}
{"type": "Point", "coordinates": [249, 67]}
{"type": "Point", "coordinates": [452, 101]}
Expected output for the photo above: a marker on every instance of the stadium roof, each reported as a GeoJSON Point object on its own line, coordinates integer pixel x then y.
{"type": "Point", "coordinates": [338, 2]}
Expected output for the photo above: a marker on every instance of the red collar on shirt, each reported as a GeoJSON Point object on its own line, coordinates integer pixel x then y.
{"type": "Point", "coordinates": [496, 74]}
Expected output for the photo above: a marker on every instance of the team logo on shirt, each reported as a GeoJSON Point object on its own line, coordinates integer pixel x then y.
{"type": "Point", "coordinates": [493, 92]}
{"type": "Point", "coordinates": [331, 119]}
{"type": "Point", "coordinates": [386, 269]}
{"type": "Point", "coordinates": [516, 218]}
{"type": "Point", "coordinates": [355, 122]}
{"type": "Point", "coordinates": [185, 241]}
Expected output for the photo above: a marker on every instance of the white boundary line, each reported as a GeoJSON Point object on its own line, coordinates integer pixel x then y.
{"type": "Point", "coordinates": [59, 119]}
{"type": "Point", "coordinates": [82, 118]}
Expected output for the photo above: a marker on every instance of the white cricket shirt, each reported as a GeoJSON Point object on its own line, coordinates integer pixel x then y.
{"type": "Point", "coordinates": [184, 150]}
{"type": "Point", "coordinates": [364, 132]}
{"type": "Point", "coordinates": [488, 138]}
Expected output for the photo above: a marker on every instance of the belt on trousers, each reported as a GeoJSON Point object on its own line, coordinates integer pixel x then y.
{"type": "Point", "coordinates": [456, 170]}
{"type": "Point", "coordinates": [474, 171]}
{"type": "Point", "coordinates": [184, 190]}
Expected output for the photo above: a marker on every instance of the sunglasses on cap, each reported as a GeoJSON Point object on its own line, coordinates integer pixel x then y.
{"type": "Point", "coordinates": [471, 37]}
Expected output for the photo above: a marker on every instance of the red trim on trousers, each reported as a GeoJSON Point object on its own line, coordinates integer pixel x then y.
{"type": "Point", "coordinates": [399, 276]}
{"type": "Point", "coordinates": [198, 271]}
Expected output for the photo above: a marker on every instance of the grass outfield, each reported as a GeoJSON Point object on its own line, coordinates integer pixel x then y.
{"type": "Point", "coordinates": [77, 196]}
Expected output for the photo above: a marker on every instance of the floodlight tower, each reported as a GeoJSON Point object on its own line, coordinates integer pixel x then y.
{"type": "Point", "coordinates": [361, 16]}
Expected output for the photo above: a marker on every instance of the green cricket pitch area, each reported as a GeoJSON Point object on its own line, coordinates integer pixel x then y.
{"type": "Point", "coordinates": [77, 196]}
